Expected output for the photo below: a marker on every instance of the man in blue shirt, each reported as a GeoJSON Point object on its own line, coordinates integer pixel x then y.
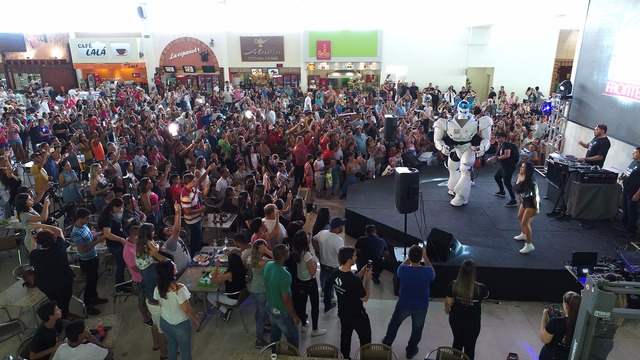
{"type": "Point", "coordinates": [85, 244]}
{"type": "Point", "coordinates": [413, 299]}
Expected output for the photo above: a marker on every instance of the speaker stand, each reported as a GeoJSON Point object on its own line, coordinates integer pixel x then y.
{"type": "Point", "coordinates": [405, 236]}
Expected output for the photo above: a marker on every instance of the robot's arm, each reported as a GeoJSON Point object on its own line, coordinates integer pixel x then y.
{"type": "Point", "coordinates": [485, 134]}
{"type": "Point", "coordinates": [438, 135]}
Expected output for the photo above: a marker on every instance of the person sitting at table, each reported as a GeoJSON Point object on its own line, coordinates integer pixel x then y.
{"type": "Point", "coordinates": [28, 216]}
{"type": "Point", "coordinates": [229, 203]}
{"type": "Point", "coordinates": [81, 344]}
{"type": "Point", "coordinates": [45, 339]}
{"type": "Point", "coordinates": [53, 276]}
{"type": "Point", "coordinates": [234, 279]}
{"type": "Point", "coordinates": [175, 311]}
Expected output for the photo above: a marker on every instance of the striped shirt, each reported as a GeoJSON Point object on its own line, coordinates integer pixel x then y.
{"type": "Point", "coordinates": [82, 236]}
{"type": "Point", "coordinates": [189, 199]}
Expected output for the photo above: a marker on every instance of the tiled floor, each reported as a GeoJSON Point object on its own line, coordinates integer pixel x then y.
{"type": "Point", "coordinates": [506, 327]}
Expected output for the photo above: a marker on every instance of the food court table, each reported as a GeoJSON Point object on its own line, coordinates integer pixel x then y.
{"type": "Point", "coordinates": [208, 223]}
{"type": "Point", "coordinates": [23, 297]}
{"type": "Point", "coordinates": [190, 279]}
{"type": "Point", "coordinates": [267, 356]}
{"type": "Point", "coordinates": [111, 336]}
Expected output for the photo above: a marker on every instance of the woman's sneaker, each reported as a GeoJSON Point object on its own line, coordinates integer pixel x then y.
{"type": "Point", "coordinates": [520, 237]}
{"type": "Point", "coordinates": [527, 248]}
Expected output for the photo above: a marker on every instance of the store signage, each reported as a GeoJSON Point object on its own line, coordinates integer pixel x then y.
{"type": "Point", "coordinates": [262, 48]}
{"type": "Point", "coordinates": [195, 50]}
{"type": "Point", "coordinates": [92, 50]}
{"type": "Point", "coordinates": [323, 50]}
{"type": "Point", "coordinates": [121, 50]}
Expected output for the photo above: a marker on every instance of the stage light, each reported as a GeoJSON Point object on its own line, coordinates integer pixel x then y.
{"type": "Point", "coordinates": [173, 129]}
{"type": "Point", "coordinates": [565, 90]}
{"type": "Point", "coordinates": [547, 108]}
{"type": "Point", "coordinates": [248, 114]}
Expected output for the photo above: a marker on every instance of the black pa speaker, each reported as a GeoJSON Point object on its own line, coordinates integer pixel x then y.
{"type": "Point", "coordinates": [407, 189]}
{"type": "Point", "coordinates": [442, 246]}
{"type": "Point", "coordinates": [390, 128]}
{"type": "Point", "coordinates": [410, 160]}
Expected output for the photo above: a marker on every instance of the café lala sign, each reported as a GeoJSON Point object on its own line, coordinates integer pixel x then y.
{"type": "Point", "coordinates": [92, 50]}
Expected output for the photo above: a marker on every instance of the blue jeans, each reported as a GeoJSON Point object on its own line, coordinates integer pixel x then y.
{"type": "Point", "coordinates": [350, 180]}
{"type": "Point", "coordinates": [178, 336]}
{"type": "Point", "coordinates": [629, 213]}
{"type": "Point", "coordinates": [116, 252]}
{"type": "Point", "coordinates": [327, 285]}
{"type": "Point", "coordinates": [282, 324]}
{"type": "Point", "coordinates": [195, 231]}
{"type": "Point", "coordinates": [261, 314]}
{"type": "Point", "coordinates": [417, 324]}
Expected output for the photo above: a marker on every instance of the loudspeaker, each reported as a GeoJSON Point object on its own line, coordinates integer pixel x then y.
{"type": "Point", "coordinates": [442, 246]}
{"type": "Point", "coordinates": [390, 128]}
{"type": "Point", "coordinates": [410, 160]}
{"type": "Point", "coordinates": [407, 189]}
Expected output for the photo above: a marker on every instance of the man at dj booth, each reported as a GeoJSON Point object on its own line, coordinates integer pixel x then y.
{"type": "Point", "coordinates": [598, 147]}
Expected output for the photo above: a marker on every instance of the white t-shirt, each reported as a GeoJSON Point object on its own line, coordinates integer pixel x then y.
{"type": "Point", "coordinates": [282, 233]}
{"type": "Point", "coordinates": [303, 270]}
{"type": "Point", "coordinates": [329, 243]}
{"type": "Point", "coordinates": [87, 351]}
{"type": "Point", "coordinates": [172, 306]}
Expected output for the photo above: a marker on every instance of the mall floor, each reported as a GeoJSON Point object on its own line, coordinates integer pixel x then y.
{"type": "Point", "coordinates": [506, 326]}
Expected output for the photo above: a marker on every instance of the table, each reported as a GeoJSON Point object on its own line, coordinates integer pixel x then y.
{"type": "Point", "coordinates": [266, 356]}
{"type": "Point", "coordinates": [20, 296]}
{"type": "Point", "coordinates": [114, 321]}
{"type": "Point", "coordinates": [208, 223]}
{"type": "Point", "coordinates": [13, 223]}
{"type": "Point", "coordinates": [593, 201]}
{"type": "Point", "coordinates": [190, 279]}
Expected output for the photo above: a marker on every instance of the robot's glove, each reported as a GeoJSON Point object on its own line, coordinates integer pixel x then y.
{"type": "Point", "coordinates": [480, 151]}
{"type": "Point", "coordinates": [446, 150]}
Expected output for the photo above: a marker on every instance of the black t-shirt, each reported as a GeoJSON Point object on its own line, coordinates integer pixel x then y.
{"type": "Point", "coordinates": [557, 326]}
{"type": "Point", "coordinates": [349, 289]}
{"type": "Point", "coordinates": [471, 311]}
{"type": "Point", "coordinates": [598, 146]}
{"type": "Point", "coordinates": [115, 224]}
{"type": "Point", "coordinates": [43, 339]}
{"type": "Point", "coordinates": [59, 127]}
{"type": "Point", "coordinates": [631, 181]}
{"type": "Point", "coordinates": [501, 150]}
{"type": "Point", "coordinates": [51, 265]}
{"type": "Point", "coordinates": [371, 248]}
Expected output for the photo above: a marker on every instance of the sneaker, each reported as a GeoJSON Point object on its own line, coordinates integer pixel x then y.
{"type": "Point", "coordinates": [261, 344]}
{"type": "Point", "coordinates": [305, 326]}
{"type": "Point", "coordinates": [376, 281]}
{"type": "Point", "coordinates": [318, 332]}
{"type": "Point", "coordinates": [412, 352]}
{"type": "Point", "coordinates": [520, 237]}
{"type": "Point", "coordinates": [451, 192]}
{"type": "Point", "coordinates": [99, 301]}
{"type": "Point", "coordinates": [333, 305]}
{"type": "Point", "coordinates": [527, 248]}
{"type": "Point", "coordinates": [227, 315]}
{"type": "Point", "coordinates": [92, 311]}
{"type": "Point", "coordinates": [511, 203]}
{"type": "Point", "coordinates": [500, 194]}
{"type": "Point", "coordinates": [149, 323]}
{"type": "Point", "coordinates": [123, 291]}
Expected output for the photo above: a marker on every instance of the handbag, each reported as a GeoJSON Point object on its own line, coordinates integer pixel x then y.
{"type": "Point", "coordinates": [29, 278]}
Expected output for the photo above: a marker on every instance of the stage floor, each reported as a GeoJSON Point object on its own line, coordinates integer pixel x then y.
{"type": "Point", "coordinates": [485, 227]}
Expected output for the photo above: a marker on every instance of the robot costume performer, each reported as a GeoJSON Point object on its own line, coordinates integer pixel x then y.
{"type": "Point", "coordinates": [462, 139]}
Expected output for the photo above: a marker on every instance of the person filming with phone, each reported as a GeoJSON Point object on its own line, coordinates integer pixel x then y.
{"type": "Point", "coordinates": [372, 250]}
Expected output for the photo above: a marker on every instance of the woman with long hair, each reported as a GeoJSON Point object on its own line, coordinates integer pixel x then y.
{"type": "Point", "coordinates": [322, 221]}
{"type": "Point", "coordinates": [527, 192]}
{"type": "Point", "coordinates": [110, 223]}
{"type": "Point", "coordinates": [234, 279]}
{"type": "Point", "coordinates": [304, 284]}
{"type": "Point", "coordinates": [257, 261]}
{"type": "Point", "coordinates": [28, 216]}
{"type": "Point", "coordinates": [68, 180]}
{"type": "Point", "coordinates": [176, 313]}
{"type": "Point", "coordinates": [245, 213]}
{"type": "Point", "coordinates": [557, 332]}
{"type": "Point", "coordinates": [11, 183]}
{"type": "Point", "coordinates": [150, 201]}
{"type": "Point", "coordinates": [297, 210]}
{"type": "Point", "coordinates": [99, 186]}
{"type": "Point", "coordinates": [462, 303]}
{"type": "Point", "coordinates": [147, 251]}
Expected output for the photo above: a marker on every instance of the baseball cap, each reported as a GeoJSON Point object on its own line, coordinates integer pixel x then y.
{"type": "Point", "coordinates": [336, 221]}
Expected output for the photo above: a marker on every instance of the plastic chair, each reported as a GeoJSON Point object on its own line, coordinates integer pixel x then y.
{"type": "Point", "coordinates": [78, 286]}
{"type": "Point", "coordinates": [11, 327]}
{"type": "Point", "coordinates": [24, 349]}
{"type": "Point", "coordinates": [323, 350]}
{"type": "Point", "coordinates": [243, 298]}
{"type": "Point", "coordinates": [18, 271]}
{"type": "Point", "coordinates": [281, 348]}
{"type": "Point", "coordinates": [375, 351]}
{"type": "Point", "coordinates": [124, 295]}
{"type": "Point", "coordinates": [447, 353]}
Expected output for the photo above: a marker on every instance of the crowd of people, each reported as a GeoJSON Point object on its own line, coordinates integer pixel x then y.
{"type": "Point", "coordinates": [244, 149]}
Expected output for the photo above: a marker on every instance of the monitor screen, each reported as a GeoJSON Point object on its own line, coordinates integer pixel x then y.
{"type": "Point", "coordinates": [189, 69]}
{"type": "Point", "coordinates": [208, 69]}
{"type": "Point", "coordinates": [581, 259]}
{"type": "Point", "coordinates": [169, 69]}
{"type": "Point", "coordinates": [12, 42]}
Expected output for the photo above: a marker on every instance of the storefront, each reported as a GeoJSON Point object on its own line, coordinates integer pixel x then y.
{"type": "Point", "coordinates": [190, 62]}
{"type": "Point", "coordinates": [343, 59]}
{"type": "Point", "coordinates": [261, 50]}
{"type": "Point", "coordinates": [99, 60]}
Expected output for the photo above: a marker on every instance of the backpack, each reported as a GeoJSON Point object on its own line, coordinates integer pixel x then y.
{"type": "Point", "coordinates": [515, 152]}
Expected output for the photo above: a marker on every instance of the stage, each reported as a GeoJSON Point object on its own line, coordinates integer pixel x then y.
{"type": "Point", "coordinates": [485, 227]}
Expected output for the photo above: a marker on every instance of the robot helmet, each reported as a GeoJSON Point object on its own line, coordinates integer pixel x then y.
{"type": "Point", "coordinates": [464, 107]}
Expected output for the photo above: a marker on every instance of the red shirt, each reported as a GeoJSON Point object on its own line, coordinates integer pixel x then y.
{"type": "Point", "coordinates": [92, 122]}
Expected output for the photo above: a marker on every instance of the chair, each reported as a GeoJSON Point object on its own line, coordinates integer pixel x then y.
{"type": "Point", "coordinates": [124, 295]}
{"type": "Point", "coordinates": [375, 351]}
{"type": "Point", "coordinates": [11, 327]}
{"type": "Point", "coordinates": [243, 297]}
{"type": "Point", "coordinates": [323, 350]}
{"type": "Point", "coordinates": [18, 271]}
{"type": "Point", "coordinates": [78, 286]}
{"type": "Point", "coordinates": [281, 348]}
{"type": "Point", "coordinates": [24, 349]}
{"type": "Point", "coordinates": [447, 353]}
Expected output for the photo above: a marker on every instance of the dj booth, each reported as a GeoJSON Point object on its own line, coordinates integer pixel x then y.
{"type": "Point", "coordinates": [589, 193]}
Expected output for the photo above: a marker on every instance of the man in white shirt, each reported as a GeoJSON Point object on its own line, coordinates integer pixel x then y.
{"type": "Point", "coordinates": [329, 242]}
{"type": "Point", "coordinates": [269, 221]}
{"type": "Point", "coordinates": [223, 183]}
{"type": "Point", "coordinates": [308, 101]}
{"type": "Point", "coordinates": [81, 345]}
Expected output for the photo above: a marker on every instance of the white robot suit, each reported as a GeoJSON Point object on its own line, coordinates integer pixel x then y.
{"type": "Point", "coordinates": [462, 139]}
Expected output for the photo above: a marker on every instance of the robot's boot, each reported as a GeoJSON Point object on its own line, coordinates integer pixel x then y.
{"type": "Point", "coordinates": [459, 200]}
